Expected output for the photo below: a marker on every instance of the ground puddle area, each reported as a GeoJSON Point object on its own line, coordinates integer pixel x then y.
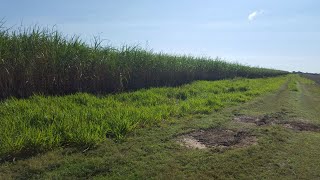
{"type": "Point", "coordinates": [210, 138]}
{"type": "Point", "coordinates": [276, 119]}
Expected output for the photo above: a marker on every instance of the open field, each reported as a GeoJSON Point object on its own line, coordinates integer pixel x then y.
{"type": "Point", "coordinates": [270, 135]}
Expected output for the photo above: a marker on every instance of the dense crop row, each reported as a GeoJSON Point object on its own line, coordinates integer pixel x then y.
{"type": "Point", "coordinates": [41, 123]}
{"type": "Point", "coordinates": [43, 61]}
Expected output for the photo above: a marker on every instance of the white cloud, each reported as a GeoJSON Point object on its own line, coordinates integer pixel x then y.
{"type": "Point", "coordinates": [254, 14]}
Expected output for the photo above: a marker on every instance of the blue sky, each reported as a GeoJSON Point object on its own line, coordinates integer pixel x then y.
{"type": "Point", "coordinates": [271, 33]}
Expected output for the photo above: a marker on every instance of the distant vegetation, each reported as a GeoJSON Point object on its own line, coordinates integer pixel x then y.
{"type": "Point", "coordinates": [41, 123]}
{"type": "Point", "coordinates": [43, 61]}
{"type": "Point", "coordinates": [313, 76]}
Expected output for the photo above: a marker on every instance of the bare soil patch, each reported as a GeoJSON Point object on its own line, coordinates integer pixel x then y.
{"type": "Point", "coordinates": [277, 118]}
{"type": "Point", "coordinates": [268, 119]}
{"type": "Point", "coordinates": [259, 121]}
{"type": "Point", "coordinates": [217, 138]}
{"type": "Point", "coordinates": [301, 126]}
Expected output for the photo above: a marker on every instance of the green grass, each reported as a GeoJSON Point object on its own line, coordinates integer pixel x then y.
{"type": "Point", "coordinates": [41, 123]}
{"type": "Point", "coordinates": [153, 153]}
{"type": "Point", "coordinates": [292, 85]}
{"type": "Point", "coordinates": [294, 81]}
{"type": "Point", "coordinates": [43, 61]}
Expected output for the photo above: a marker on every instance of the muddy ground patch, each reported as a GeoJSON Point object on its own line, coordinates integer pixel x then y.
{"type": "Point", "coordinates": [259, 121]}
{"type": "Point", "coordinates": [217, 137]}
{"type": "Point", "coordinates": [301, 126]}
{"type": "Point", "coordinates": [268, 119]}
{"type": "Point", "coordinates": [277, 118]}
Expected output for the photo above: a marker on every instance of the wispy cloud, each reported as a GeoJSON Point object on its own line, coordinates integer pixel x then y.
{"type": "Point", "coordinates": [254, 14]}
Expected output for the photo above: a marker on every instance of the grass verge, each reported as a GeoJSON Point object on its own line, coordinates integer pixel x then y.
{"type": "Point", "coordinates": [41, 123]}
{"type": "Point", "coordinates": [153, 152]}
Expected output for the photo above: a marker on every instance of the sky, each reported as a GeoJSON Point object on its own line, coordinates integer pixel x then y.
{"type": "Point", "coordinates": [271, 33]}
